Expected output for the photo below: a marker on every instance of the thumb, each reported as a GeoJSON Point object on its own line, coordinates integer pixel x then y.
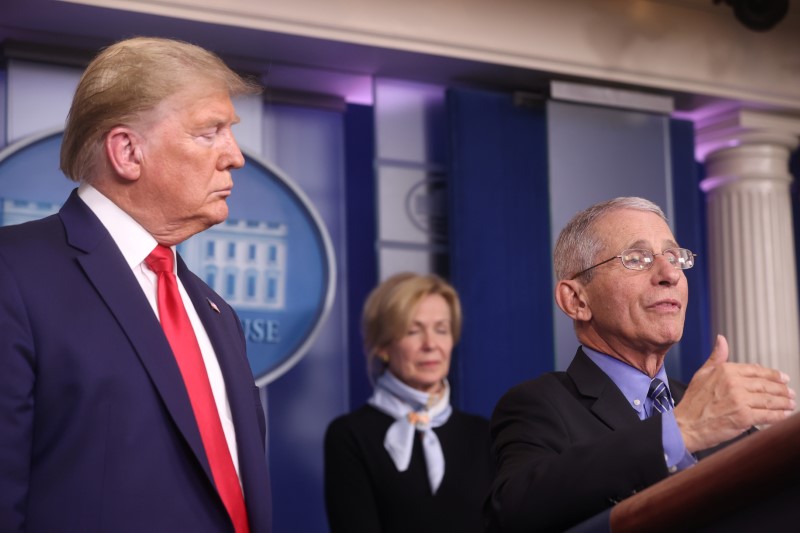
{"type": "Point", "coordinates": [720, 352]}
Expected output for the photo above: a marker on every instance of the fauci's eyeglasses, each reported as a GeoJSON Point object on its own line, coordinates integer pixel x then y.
{"type": "Point", "coordinates": [640, 259]}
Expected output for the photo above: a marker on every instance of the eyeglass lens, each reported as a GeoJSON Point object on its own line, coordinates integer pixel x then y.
{"type": "Point", "coordinates": [643, 259]}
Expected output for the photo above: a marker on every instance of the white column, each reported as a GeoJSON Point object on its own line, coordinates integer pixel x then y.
{"type": "Point", "coordinates": [751, 252]}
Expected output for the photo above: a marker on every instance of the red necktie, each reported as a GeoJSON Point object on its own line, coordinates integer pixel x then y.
{"type": "Point", "coordinates": [184, 345]}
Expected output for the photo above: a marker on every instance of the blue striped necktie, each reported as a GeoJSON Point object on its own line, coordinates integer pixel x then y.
{"type": "Point", "coordinates": [659, 393]}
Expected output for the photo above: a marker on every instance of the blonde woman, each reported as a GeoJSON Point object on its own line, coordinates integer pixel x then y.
{"type": "Point", "coordinates": [408, 461]}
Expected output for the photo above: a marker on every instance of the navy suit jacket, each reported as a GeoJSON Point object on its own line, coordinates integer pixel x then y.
{"type": "Point", "coordinates": [96, 429]}
{"type": "Point", "coordinates": [568, 445]}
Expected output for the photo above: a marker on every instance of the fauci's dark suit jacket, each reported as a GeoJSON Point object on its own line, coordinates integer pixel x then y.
{"type": "Point", "coordinates": [568, 445]}
{"type": "Point", "coordinates": [96, 429]}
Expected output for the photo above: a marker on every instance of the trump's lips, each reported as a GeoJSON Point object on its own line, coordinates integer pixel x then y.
{"type": "Point", "coordinates": [224, 192]}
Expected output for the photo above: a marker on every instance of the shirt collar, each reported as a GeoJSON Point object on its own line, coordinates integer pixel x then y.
{"type": "Point", "coordinates": [131, 238]}
{"type": "Point", "coordinates": [632, 382]}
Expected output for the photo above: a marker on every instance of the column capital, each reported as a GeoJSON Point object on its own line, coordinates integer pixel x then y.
{"type": "Point", "coordinates": [740, 126]}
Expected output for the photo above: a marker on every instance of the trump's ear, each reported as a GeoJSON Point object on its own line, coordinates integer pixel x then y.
{"type": "Point", "coordinates": [571, 298]}
{"type": "Point", "coordinates": [124, 153]}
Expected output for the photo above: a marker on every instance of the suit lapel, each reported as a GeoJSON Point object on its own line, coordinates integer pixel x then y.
{"type": "Point", "coordinates": [106, 269]}
{"type": "Point", "coordinates": [215, 316]}
{"type": "Point", "coordinates": [676, 389]}
{"type": "Point", "coordinates": [605, 400]}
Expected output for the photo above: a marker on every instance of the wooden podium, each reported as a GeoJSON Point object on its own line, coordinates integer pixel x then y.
{"type": "Point", "coordinates": [752, 485]}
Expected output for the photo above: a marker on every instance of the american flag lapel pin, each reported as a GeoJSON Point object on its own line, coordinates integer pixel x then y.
{"type": "Point", "coordinates": [213, 305]}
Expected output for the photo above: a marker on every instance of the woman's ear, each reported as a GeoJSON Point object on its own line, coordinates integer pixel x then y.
{"type": "Point", "coordinates": [124, 152]}
{"type": "Point", "coordinates": [571, 298]}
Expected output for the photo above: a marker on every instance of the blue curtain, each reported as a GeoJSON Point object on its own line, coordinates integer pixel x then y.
{"type": "Point", "coordinates": [499, 244]}
{"type": "Point", "coordinates": [362, 261]}
{"type": "Point", "coordinates": [690, 230]}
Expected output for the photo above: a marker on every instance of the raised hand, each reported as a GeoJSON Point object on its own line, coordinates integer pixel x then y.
{"type": "Point", "coordinates": [725, 399]}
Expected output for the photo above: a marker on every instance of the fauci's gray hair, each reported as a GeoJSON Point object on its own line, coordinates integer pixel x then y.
{"type": "Point", "coordinates": [578, 245]}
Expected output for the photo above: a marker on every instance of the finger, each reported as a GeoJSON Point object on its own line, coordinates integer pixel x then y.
{"type": "Point", "coordinates": [767, 386]}
{"type": "Point", "coordinates": [754, 371]}
{"type": "Point", "coordinates": [720, 352]}
{"type": "Point", "coordinates": [769, 402]}
{"type": "Point", "coordinates": [769, 416]}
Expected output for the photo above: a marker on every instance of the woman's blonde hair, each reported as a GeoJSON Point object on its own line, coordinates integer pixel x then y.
{"type": "Point", "coordinates": [129, 78]}
{"type": "Point", "coordinates": [388, 311]}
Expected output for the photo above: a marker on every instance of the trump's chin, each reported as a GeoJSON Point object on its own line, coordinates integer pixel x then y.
{"type": "Point", "coordinates": [218, 213]}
